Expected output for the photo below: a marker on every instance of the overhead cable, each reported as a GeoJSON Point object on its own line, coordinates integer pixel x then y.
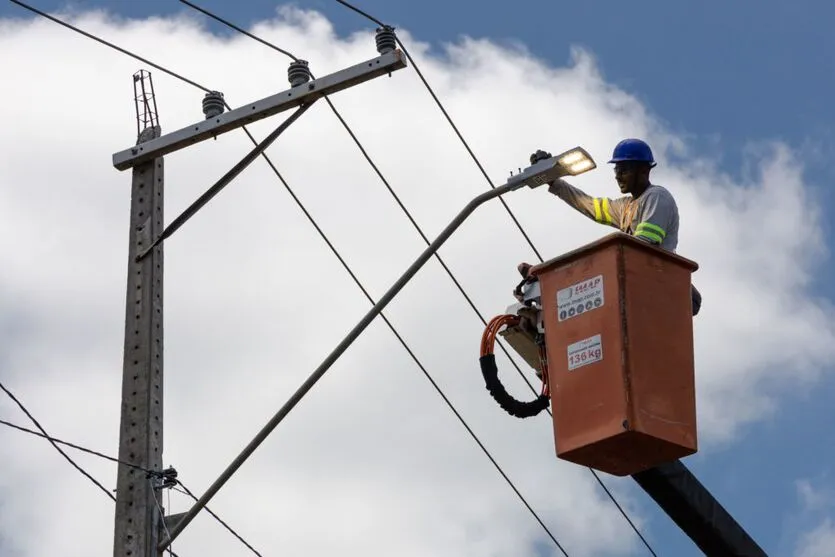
{"type": "Point", "coordinates": [304, 210]}
{"type": "Point", "coordinates": [411, 219]}
{"type": "Point", "coordinates": [74, 446]}
{"type": "Point", "coordinates": [515, 220]}
{"type": "Point", "coordinates": [54, 444]}
{"type": "Point", "coordinates": [376, 170]}
{"type": "Point", "coordinates": [77, 447]}
{"type": "Point", "coordinates": [451, 123]}
{"type": "Point", "coordinates": [223, 523]}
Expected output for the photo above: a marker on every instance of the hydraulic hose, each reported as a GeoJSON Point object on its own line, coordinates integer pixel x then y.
{"type": "Point", "coordinates": [490, 373]}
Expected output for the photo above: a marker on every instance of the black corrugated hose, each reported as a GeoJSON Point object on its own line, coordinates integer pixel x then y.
{"type": "Point", "coordinates": [509, 404]}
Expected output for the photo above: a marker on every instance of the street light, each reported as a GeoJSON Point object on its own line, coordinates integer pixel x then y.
{"type": "Point", "coordinates": [571, 163]}
{"type": "Point", "coordinates": [576, 161]}
{"type": "Point", "coordinates": [544, 171]}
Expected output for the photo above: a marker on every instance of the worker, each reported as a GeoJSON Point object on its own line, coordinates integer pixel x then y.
{"type": "Point", "coordinates": [648, 211]}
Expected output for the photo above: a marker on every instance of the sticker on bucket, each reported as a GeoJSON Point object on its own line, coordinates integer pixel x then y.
{"type": "Point", "coordinates": [580, 298]}
{"type": "Point", "coordinates": [585, 352]}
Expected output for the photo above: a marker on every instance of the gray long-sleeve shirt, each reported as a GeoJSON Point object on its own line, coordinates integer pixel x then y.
{"type": "Point", "coordinates": [652, 216]}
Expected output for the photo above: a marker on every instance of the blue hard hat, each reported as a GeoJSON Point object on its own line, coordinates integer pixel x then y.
{"type": "Point", "coordinates": [632, 150]}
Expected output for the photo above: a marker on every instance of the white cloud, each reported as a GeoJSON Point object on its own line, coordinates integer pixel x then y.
{"type": "Point", "coordinates": [372, 459]}
{"type": "Point", "coordinates": [813, 498]}
{"type": "Point", "coordinates": [819, 542]}
{"type": "Point", "coordinates": [815, 506]}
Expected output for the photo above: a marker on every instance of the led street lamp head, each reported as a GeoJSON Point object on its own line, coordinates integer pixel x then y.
{"type": "Point", "coordinates": [576, 161]}
{"type": "Point", "coordinates": [545, 169]}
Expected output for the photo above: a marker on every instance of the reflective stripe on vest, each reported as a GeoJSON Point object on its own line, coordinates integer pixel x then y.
{"type": "Point", "coordinates": [650, 231]}
{"type": "Point", "coordinates": [602, 216]}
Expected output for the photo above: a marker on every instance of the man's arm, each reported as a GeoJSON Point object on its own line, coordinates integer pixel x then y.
{"type": "Point", "coordinates": [658, 209]}
{"type": "Point", "coordinates": [600, 209]}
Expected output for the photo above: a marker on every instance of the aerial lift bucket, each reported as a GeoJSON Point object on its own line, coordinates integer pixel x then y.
{"type": "Point", "coordinates": [609, 328]}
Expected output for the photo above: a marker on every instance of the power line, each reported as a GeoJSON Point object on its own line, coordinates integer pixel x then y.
{"type": "Point", "coordinates": [141, 59]}
{"type": "Point", "coordinates": [106, 43]}
{"type": "Point", "coordinates": [185, 489]}
{"type": "Point", "coordinates": [417, 361]}
{"type": "Point", "coordinates": [188, 492]}
{"type": "Point", "coordinates": [411, 219]}
{"type": "Point", "coordinates": [239, 30]}
{"type": "Point", "coordinates": [451, 123]}
{"type": "Point", "coordinates": [414, 223]}
{"type": "Point", "coordinates": [74, 446]}
{"type": "Point", "coordinates": [55, 443]}
{"type": "Point", "coordinates": [376, 170]}
{"type": "Point", "coordinates": [512, 216]}
{"type": "Point", "coordinates": [57, 448]}
{"type": "Point", "coordinates": [193, 84]}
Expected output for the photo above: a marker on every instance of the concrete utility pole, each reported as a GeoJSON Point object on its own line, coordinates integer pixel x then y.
{"type": "Point", "coordinates": [140, 433]}
{"type": "Point", "coordinates": [140, 524]}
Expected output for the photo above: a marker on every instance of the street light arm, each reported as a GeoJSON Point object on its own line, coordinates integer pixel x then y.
{"type": "Point", "coordinates": [535, 175]}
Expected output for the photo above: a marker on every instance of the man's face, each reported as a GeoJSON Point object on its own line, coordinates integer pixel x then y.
{"type": "Point", "coordinates": [629, 175]}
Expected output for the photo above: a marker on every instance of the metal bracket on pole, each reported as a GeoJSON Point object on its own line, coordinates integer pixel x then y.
{"type": "Point", "coordinates": [224, 181]}
{"type": "Point", "coordinates": [304, 93]}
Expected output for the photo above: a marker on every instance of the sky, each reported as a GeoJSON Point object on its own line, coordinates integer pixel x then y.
{"type": "Point", "coordinates": [735, 110]}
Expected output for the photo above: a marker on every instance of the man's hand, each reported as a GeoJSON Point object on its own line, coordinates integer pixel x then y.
{"type": "Point", "coordinates": [539, 155]}
{"type": "Point", "coordinates": [524, 269]}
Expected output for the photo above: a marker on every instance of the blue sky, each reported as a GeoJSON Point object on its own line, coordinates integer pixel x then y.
{"type": "Point", "coordinates": [722, 74]}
